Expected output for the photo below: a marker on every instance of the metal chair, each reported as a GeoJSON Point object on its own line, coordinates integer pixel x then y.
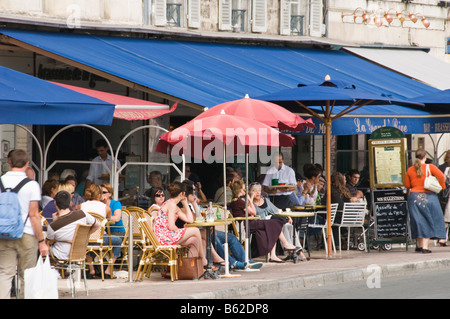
{"type": "Point", "coordinates": [77, 256]}
{"type": "Point", "coordinates": [353, 215]}
{"type": "Point", "coordinates": [334, 208]}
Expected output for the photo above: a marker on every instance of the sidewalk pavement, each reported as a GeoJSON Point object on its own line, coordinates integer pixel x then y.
{"type": "Point", "coordinates": [342, 267]}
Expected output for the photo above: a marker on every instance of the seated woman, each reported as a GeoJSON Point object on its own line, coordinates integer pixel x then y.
{"type": "Point", "coordinates": [157, 198]}
{"type": "Point", "coordinates": [48, 192]}
{"type": "Point", "coordinates": [164, 224]}
{"type": "Point", "coordinates": [76, 198]}
{"type": "Point", "coordinates": [116, 224]}
{"type": "Point", "coordinates": [309, 188]}
{"type": "Point", "coordinates": [193, 200]}
{"type": "Point", "coordinates": [50, 209]}
{"type": "Point", "coordinates": [93, 204]}
{"type": "Point", "coordinates": [266, 232]}
{"type": "Point", "coordinates": [266, 210]}
{"type": "Point", "coordinates": [339, 194]}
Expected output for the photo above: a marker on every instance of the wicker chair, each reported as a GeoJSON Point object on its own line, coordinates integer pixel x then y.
{"type": "Point", "coordinates": [77, 256]}
{"type": "Point", "coordinates": [138, 234]}
{"type": "Point", "coordinates": [96, 246]}
{"type": "Point", "coordinates": [155, 253]}
{"type": "Point", "coordinates": [152, 211]}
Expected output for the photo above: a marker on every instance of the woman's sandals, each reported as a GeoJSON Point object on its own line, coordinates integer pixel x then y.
{"type": "Point", "coordinates": [293, 254]}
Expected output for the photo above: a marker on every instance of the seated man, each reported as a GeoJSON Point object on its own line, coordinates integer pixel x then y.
{"type": "Point", "coordinates": [60, 232]}
{"type": "Point", "coordinates": [219, 196]}
{"type": "Point", "coordinates": [352, 181]}
{"type": "Point", "coordinates": [155, 179]}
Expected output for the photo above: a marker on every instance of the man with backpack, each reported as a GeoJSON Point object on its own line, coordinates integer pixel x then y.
{"type": "Point", "coordinates": [19, 250]}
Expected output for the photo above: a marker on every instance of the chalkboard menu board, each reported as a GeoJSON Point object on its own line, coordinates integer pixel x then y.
{"type": "Point", "coordinates": [390, 211]}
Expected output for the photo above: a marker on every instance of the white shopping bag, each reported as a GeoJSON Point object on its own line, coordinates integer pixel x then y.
{"type": "Point", "coordinates": [41, 282]}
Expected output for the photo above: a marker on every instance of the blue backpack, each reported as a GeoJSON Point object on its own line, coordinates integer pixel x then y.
{"type": "Point", "coordinates": [11, 224]}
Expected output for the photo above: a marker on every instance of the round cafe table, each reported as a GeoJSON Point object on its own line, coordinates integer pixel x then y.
{"type": "Point", "coordinates": [312, 207]}
{"type": "Point", "coordinates": [209, 226]}
{"type": "Point", "coordinates": [295, 214]}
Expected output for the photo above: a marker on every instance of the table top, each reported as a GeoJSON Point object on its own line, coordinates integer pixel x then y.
{"type": "Point", "coordinates": [243, 218]}
{"type": "Point", "coordinates": [308, 207]}
{"type": "Point", "coordinates": [295, 214]}
{"type": "Point", "coordinates": [217, 222]}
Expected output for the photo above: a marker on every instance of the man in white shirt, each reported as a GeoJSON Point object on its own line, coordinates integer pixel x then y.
{"type": "Point", "coordinates": [97, 170]}
{"type": "Point", "coordinates": [280, 196]}
{"type": "Point", "coordinates": [21, 252]}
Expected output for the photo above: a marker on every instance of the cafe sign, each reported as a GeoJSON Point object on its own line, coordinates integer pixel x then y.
{"type": "Point", "coordinates": [350, 125]}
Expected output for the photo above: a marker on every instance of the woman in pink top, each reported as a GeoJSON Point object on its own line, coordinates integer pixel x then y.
{"type": "Point", "coordinates": [426, 217]}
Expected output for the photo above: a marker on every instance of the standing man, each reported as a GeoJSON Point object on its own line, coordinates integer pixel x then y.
{"type": "Point", "coordinates": [97, 170]}
{"type": "Point", "coordinates": [280, 196]}
{"type": "Point", "coordinates": [21, 252]}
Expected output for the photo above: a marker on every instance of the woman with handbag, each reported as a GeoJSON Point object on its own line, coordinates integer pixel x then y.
{"type": "Point", "coordinates": [427, 220]}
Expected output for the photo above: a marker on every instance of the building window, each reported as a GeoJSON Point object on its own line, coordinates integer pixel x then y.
{"type": "Point", "coordinates": [296, 24]}
{"type": "Point", "coordinates": [233, 15]}
{"type": "Point", "coordinates": [447, 46]}
{"type": "Point", "coordinates": [238, 19]}
{"type": "Point", "coordinates": [292, 17]}
{"type": "Point", "coordinates": [173, 14]}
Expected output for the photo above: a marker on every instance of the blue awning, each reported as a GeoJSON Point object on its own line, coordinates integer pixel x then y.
{"type": "Point", "coordinates": [418, 122]}
{"type": "Point", "coordinates": [25, 99]}
{"type": "Point", "coordinates": [208, 73]}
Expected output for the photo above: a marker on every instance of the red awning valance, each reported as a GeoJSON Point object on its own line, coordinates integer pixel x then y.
{"type": "Point", "coordinates": [127, 108]}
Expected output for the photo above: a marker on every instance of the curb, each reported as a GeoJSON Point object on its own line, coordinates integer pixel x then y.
{"type": "Point", "coordinates": [319, 280]}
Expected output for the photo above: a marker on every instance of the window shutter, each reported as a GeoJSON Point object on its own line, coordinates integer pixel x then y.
{"type": "Point", "coordinates": [316, 18]}
{"type": "Point", "coordinates": [225, 14]}
{"type": "Point", "coordinates": [194, 14]}
{"type": "Point", "coordinates": [160, 8]}
{"type": "Point", "coordinates": [259, 16]}
{"type": "Point", "coordinates": [285, 17]}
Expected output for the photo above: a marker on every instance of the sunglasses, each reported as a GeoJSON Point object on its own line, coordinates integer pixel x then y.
{"type": "Point", "coordinates": [105, 192]}
{"type": "Point", "coordinates": [160, 195]}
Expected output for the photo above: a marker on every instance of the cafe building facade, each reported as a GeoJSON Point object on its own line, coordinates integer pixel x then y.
{"type": "Point", "coordinates": [171, 51]}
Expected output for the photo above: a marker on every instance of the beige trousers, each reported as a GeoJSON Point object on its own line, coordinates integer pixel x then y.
{"type": "Point", "coordinates": [21, 253]}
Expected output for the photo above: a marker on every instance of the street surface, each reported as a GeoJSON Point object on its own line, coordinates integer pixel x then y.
{"type": "Point", "coordinates": [422, 285]}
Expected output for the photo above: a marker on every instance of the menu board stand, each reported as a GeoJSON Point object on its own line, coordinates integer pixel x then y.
{"type": "Point", "coordinates": [389, 197]}
{"type": "Point", "coordinates": [390, 216]}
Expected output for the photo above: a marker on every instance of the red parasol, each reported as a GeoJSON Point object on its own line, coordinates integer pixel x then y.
{"type": "Point", "coordinates": [265, 112]}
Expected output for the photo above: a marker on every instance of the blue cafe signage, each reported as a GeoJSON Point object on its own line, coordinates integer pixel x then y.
{"type": "Point", "coordinates": [366, 125]}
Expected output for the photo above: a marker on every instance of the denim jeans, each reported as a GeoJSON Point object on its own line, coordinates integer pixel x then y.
{"type": "Point", "coordinates": [116, 242]}
{"type": "Point", "coordinates": [234, 247]}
